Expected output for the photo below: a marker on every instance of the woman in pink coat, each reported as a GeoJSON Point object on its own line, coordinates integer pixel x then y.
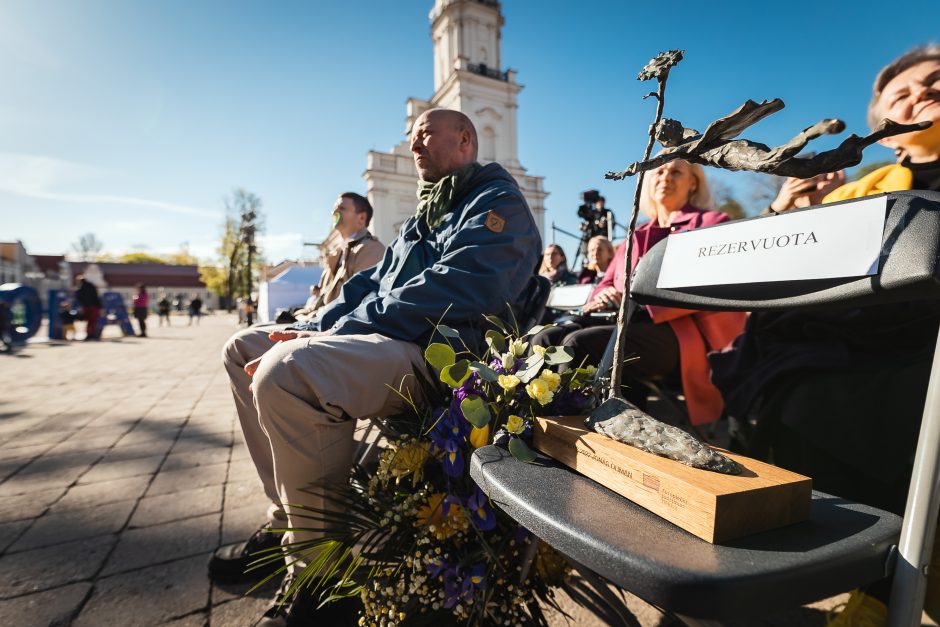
{"type": "Point", "coordinates": [675, 197]}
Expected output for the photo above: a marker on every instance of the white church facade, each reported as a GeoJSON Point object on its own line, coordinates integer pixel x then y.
{"type": "Point", "coordinates": [467, 77]}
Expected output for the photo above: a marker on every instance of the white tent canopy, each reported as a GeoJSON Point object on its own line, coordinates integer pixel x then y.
{"type": "Point", "coordinates": [290, 288]}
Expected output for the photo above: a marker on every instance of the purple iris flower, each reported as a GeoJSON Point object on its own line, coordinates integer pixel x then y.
{"type": "Point", "coordinates": [452, 461]}
{"type": "Point", "coordinates": [473, 580]}
{"type": "Point", "coordinates": [569, 403]}
{"type": "Point", "coordinates": [497, 365]}
{"type": "Point", "coordinates": [436, 566]}
{"type": "Point", "coordinates": [481, 513]}
{"type": "Point", "coordinates": [452, 589]}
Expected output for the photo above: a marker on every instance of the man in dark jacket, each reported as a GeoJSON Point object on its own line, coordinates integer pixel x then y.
{"type": "Point", "coordinates": [468, 251]}
{"type": "Point", "coordinates": [89, 301]}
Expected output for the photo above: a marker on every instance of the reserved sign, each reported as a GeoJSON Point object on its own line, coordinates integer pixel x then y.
{"type": "Point", "coordinates": [825, 243]}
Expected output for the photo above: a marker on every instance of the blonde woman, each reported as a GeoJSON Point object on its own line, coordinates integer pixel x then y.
{"type": "Point", "coordinates": [600, 252]}
{"type": "Point", "coordinates": [675, 197]}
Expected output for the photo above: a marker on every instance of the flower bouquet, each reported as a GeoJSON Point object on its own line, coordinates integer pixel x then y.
{"type": "Point", "coordinates": [413, 536]}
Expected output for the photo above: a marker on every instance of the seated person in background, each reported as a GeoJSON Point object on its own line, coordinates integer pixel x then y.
{"type": "Point", "coordinates": [468, 251]}
{"type": "Point", "coordinates": [600, 252]}
{"type": "Point", "coordinates": [358, 250]}
{"type": "Point", "coordinates": [839, 395]}
{"type": "Point", "coordinates": [554, 266]}
{"type": "Point", "coordinates": [675, 197]}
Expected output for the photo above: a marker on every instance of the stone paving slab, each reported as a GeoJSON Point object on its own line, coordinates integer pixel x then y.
{"type": "Point", "coordinates": [10, 531]}
{"type": "Point", "coordinates": [62, 524]}
{"type": "Point", "coordinates": [149, 596]}
{"type": "Point", "coordinates": [109, 471]}
{"type": "Point", "coordinates": [165, 508]}
{"type": "Point", "coordinates": [54, 607]}
{"type": "Point", "coordinates": [27, 506]}
{"type": "Point", "coordinates": [104, 492]}
{"type": "Point", "coordinates": [162, 543]}
{"type": "Point", "coordinates": [172, 481]}
{"type": "Point", "coordinates": [51, 567]}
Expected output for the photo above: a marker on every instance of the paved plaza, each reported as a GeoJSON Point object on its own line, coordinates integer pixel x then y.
{"type": "Point", "coordinates": [121, 469]}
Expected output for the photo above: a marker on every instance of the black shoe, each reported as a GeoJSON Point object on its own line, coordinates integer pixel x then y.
{"type": "Point", "coordinates": [230, 563]}
{"type": "Point", "coordinates": [301, 610]}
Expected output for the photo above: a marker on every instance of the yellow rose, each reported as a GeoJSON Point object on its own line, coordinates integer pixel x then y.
{"type": "Point", "coordinates": [515, 424]}
{"type": "Point", "coordinates": [508, 381]}
{"type": "Point", "coordinates": [480, 436]}
{"type": "Point", "coordinates": [553, 379]}
{"type": "Point", "coordinates": [539, 390]}
{"type": "Point", "coordinates": [539, 350]}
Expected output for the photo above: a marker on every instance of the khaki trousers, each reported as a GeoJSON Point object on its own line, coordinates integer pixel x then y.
{"type": "Point", "coordinates": [307, 395]}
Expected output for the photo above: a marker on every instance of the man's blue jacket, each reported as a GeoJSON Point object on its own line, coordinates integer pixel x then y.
{"type": "Point", "coordinates": [478, 261]}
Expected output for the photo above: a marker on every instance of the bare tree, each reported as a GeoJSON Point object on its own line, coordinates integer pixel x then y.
{"type": "Point", "coordinates": [233, 249]}
{"type": "Point", "coordinates": [87, 247]}
{"type": "Point", "coordinates": [725, 200]}
{"type": "Point", "coordinates": [763, 189]}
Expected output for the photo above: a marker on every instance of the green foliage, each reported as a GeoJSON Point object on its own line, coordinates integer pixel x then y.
{"type": "Point", "coordinates": [557, 355]}
{"type": "Point", "coordinates": [733, 208]}
{"type": "Point", "coordinates": [475, 411]}
{"type": "Point", "coordinates": [440, 356]}
{"type": "Point", "coordinates": [232, 253]}
{"type": "Point", "coordinates": [455, 374]}
{"type": "Point", "coordinates": [141, 258]}
{"type": "Point", "coordinates": [521, 451]}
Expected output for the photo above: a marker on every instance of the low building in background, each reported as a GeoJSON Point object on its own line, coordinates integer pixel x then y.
{"type": "Point", "coordinates": [180, 283]}
{"type": "Point", "coordinates": [41, 272]}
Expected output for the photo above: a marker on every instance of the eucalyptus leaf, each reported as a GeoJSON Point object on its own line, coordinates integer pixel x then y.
{"type": "Point", "coordinates": [486, 373]}
{"type": "Point", "coordinates": [447, 331]}
{"type": "Point", "coordinates": [475, 411]}
{"type": "Point", "coordinates": [440, 355]}
{"type": "Point", "coordinates": [496, 341]}
{"type": "Point", "coordinates": [555, 355]}
{"type": "Point", "coordinates": [455, 374]}
{"type": "Point", "coordinates": [537, 328]}
{"type": "Point", "coordinates": [531, 368]}
{"type": "Point", "coordinates": [499, 324]}
{"type": "Point", "coordinates": [521, 451]}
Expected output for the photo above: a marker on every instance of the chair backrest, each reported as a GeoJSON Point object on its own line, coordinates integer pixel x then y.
{"type": "Point", "coordinates": [569, 296]}
{"type": "Point", "coordinates": [908, 269]}
{"type": "Point", "coordinates": [532, 307]}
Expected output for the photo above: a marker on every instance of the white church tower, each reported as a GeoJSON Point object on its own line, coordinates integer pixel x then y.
{"type": "Point", "coordinates": [468, 76]}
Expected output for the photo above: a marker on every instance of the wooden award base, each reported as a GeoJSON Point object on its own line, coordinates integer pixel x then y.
{"type": "Point", "coordinates": [713, 506]}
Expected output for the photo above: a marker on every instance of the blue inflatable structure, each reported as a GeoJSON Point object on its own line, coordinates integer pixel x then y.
{"type": "Point", "coordinates": [22, 311]}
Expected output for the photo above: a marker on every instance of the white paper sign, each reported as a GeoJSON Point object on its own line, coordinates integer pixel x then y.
{"type": "Point", "coordinates": [828, 242]}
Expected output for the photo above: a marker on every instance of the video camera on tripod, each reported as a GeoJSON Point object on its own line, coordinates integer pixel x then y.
{"type": "Point", "coordinates": [595, 219]}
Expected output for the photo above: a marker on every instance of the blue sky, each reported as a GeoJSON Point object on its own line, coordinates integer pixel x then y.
{"type": "Point", "coordinates": [133, 120]}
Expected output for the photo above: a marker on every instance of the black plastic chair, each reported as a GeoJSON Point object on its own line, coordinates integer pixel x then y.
{"type": "Point", "coordinates": [842, 546]}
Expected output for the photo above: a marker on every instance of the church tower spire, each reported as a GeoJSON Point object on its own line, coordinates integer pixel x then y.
{"type": "Point", "coordinates": [465, 35]}
{"type": "Point", "coordinates": [468, 77]}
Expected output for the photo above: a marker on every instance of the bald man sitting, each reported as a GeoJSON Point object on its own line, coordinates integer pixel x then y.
{"type": "Point", "coordinates": [468, 251]}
